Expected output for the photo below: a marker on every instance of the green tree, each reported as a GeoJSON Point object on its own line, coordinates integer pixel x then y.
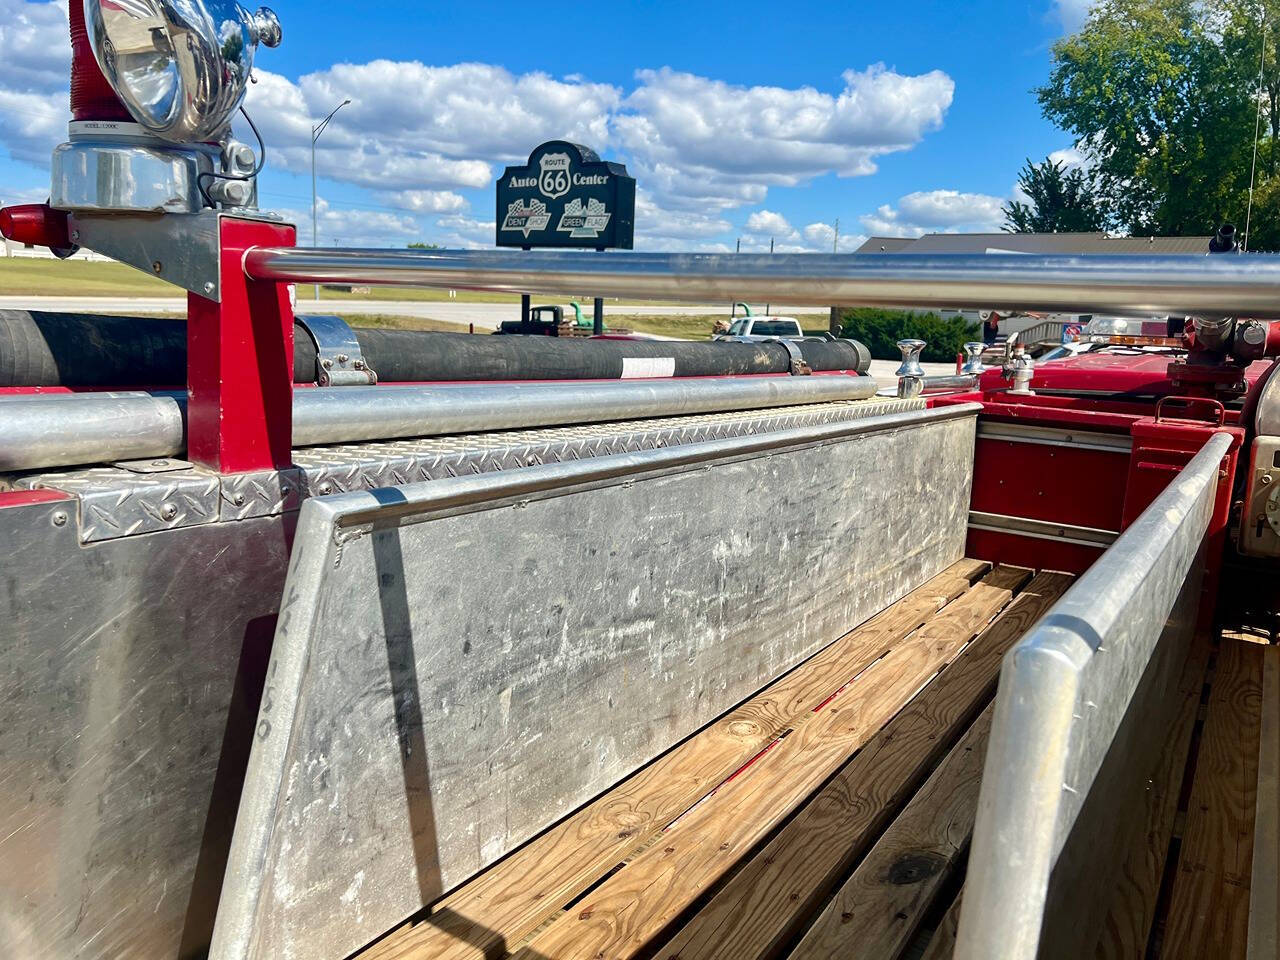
{"type": "Point", "coordinates": [1153, 95]}
{"type": "Point", "coordinates": [1061, 201]}
{"type": "Point", "coordinates": [419, 245]}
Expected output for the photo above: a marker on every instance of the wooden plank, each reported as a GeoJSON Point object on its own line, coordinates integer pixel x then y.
{"type": "Point", "coordinates": [1264, 885]}
{"type": "Point", "coordinates": [766, 902]}
{"type": "Point", "coordinates": [880, 906]}
{"type": "Point", "coordinates": [488, 915]}
{"type": "Point", "coordinates": [943, 943]}
{"type": "Point", "coordinates": [1209, 908]}
{"type": "Point", "coordinates": [634, 906]}
{"type": "Point", "coordinates": [1127, 928]}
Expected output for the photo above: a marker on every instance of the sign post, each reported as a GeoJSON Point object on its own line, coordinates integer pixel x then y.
{"type": "Point", "coordinates": [566, 197]}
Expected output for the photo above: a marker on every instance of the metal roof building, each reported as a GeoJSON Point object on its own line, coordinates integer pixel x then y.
{"type": "Point", "coordinates": [1049, 243]}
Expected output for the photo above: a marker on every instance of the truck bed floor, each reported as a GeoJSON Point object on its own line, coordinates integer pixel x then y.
{"type": "Point", "coordinates": [828, 814]}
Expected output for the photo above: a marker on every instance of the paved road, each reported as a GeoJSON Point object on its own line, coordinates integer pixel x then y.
{"type": "Point", "coordinates": [485, 316]}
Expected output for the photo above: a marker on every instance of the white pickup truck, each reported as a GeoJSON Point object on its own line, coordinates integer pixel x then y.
{"type": "Point", "coordinates": [763, 328]}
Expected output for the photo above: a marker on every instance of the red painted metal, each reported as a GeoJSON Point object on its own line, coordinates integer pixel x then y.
{"type": "Point", "coordinates": [23, 498]}
{"type": "Point", "coordinates": [1107, 373]}
{"type": "Point", "coordinates": [1061, 484]}
{"type": "Point", "coordinates": [36, 224]}
{"type": "Point", "coordinates": [1125, 394]}
{"type": "Point", "coordinates": [240, 361]}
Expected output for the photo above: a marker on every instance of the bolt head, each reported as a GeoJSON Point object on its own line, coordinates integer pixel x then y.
{"type": "Point", "coordinates": [169, 511]}
{"type": "Point", "coordinates": [59, 518]}
{"type": "Point", "coordinates": [156, 266]}
{"type": "Point", "coordinates": [208, 286]}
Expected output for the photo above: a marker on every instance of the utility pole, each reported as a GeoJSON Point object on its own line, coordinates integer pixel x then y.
{"type": "Point", "coordinates": [315, 135]}
{"type": "Point", "coordinates": [835, 323]}
{"type": "Point", "coordinates": [768, 305]}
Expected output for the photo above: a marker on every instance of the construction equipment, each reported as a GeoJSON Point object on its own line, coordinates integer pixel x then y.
{"type": "Point", "coordinates": [303, 659]}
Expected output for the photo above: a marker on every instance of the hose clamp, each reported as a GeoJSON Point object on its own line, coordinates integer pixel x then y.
{"type": "Point", "coordinates": [339, 362]}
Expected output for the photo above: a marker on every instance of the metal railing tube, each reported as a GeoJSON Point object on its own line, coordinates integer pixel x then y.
{"type": "Point", "coordinates": [946, 383]}
{"type": "Point", "coordinates": [1127, 285]}
{"type": "Point", "coordinates": [375, 413]}
{"type": "Point", "coordinates": [51, 432]}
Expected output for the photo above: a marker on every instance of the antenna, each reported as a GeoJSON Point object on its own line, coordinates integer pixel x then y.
{"type": "Point", "coordinates": [1257, 127]}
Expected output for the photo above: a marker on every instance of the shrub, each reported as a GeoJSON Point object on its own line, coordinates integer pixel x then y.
{"type": "Point", "coordinates": [881, 329]}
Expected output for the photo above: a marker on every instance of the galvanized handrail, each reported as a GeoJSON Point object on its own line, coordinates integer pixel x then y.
{"type": "Point", "coordinates": [1127, 285]}
{"type": "Point", "coordinates": [1082, 712]}
{"type": "Point", "coordinates": [50, 430]}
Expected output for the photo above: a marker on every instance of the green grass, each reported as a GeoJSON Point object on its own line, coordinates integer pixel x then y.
{"type": "Point", "coordinates": [31, 277]}
{"type": "Point", "coordinates": [392, 322]}
{"type": "Point", "coordinates": [683, 327]}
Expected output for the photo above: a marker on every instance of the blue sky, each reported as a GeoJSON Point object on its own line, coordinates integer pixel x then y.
{"type": "Point", "coordinates": [739, 120]}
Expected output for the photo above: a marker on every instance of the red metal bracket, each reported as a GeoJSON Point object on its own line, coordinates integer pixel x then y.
{"type": "Point", "coordinates": [240, 361]}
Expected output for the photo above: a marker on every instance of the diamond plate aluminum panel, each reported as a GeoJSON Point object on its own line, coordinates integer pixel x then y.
{"type": "Point", "coordinates": [118, 502]}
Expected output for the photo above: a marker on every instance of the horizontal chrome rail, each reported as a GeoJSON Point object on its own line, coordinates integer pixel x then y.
{"type": "Point", "coordinates": [1137, 285]}
{"type": "Point", "coordinates": [63, 430]}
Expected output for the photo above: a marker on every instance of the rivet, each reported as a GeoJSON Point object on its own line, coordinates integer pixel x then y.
{"type": "Point", "coordinates": [156, 266]}
{"type": "Point", "coordinates": [238, 499]}
{"type": "Point", "coordinates": [59, 519]}
{"type": "Point", "coordinates": [159, 463]}
{"type": "Point", "coordinates": [208, 286]}
{"type": "Point", "coordinates": [75, 235]}
{"type": "Point", "coordinates": [169, 511]}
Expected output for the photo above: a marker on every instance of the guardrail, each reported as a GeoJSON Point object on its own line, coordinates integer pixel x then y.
{"type": "Point", "coordinates": [1081, 714]}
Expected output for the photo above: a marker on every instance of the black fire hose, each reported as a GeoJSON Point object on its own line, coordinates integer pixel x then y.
{"type": "Point", "coordinates": [80, 350]}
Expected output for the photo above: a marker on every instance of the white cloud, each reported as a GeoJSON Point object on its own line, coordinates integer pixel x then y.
{"type": "Point", "coordinates": [36, 55]}
{"type": "Point", "coordinates": [418, 136]}
{"type": "Point", "coordinates": [34, 41]}
{"type": "Point", "coordinates": [701, 141]}
{"type": "Point", "coordinates": [1070, 158]}
{"type": "Point", "coordinates": [465, 232]}
{"type": "Point", "coordinates": [767, 223]}
{"type": "Point", "coordinates": [936, 210]}
{"type": "Point", "coordinates": [1072, 14]}
{"type": "Point", "coordinates": [951, 208]}
{"type": "Point", "coordinates": [820, 236]}
{"type": "Point", "coordinates": [353, 227]}
{"type": "Point", "coordinates": [444, 135]}
{"type": "Point", "coordinates": [424, 201]}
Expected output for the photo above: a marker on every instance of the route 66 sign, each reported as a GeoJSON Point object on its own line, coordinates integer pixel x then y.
{"type": "Point", "coordinates": [554, 181]}
{"type": "Point", "coordinates": [566, 196]}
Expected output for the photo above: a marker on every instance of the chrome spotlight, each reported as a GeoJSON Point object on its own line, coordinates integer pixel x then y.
{"type": "Point", "coordinates": [179, 66]}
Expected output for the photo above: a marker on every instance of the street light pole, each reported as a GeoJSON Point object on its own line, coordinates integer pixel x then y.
{"type": "Point", "coordinates": [315, 135]}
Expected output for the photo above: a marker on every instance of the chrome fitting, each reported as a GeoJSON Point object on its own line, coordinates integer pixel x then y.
{"type": "Point", "coordinates": [973, 358]}
{"type": "Point", "coordinates": [1019, 368]}
{"type": "Point", "coordinates": [910, 373]}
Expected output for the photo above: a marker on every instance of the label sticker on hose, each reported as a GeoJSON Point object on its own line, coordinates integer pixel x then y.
{"type": "Point", "coordinates": [638, 368]}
